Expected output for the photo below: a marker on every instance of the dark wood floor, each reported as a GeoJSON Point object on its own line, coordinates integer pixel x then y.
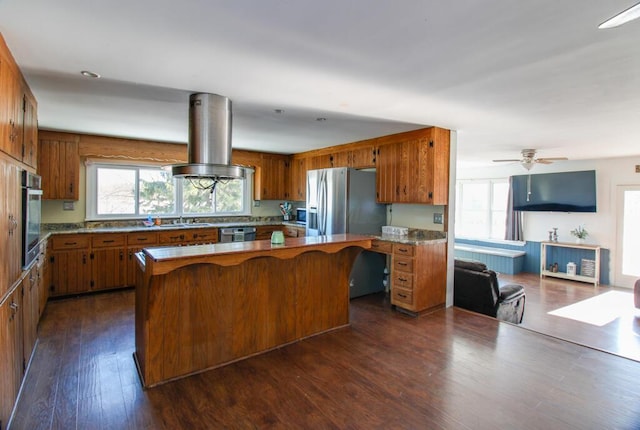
{"type": "Point", "coordinates": [620, 337]}
{"type": "Point", "coordinates": [450, 370]}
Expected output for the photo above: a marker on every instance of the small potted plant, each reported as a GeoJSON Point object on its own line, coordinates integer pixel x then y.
{"type": "Point", "coordinates": [580, 233]}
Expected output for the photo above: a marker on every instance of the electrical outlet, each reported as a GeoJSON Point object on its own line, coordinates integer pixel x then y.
{"type": "Point", "coordinates": [437, 218]}
{"type": "Point", "coordinates": [637, 168]}
{"type": "Point", "coordinates": [67, 206]}
{"type": "Point", "coordinates": [256, 203]}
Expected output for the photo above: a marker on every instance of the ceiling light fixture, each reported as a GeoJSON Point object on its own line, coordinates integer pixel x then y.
{"type": "Point", "coordinates": [622, 18]}
{"type": "Point", "coordinates": [89, 74]}
{"type": "Point", "coordinates": [321, 119]}
{"type": "Point", "coordinates": [279, 111]}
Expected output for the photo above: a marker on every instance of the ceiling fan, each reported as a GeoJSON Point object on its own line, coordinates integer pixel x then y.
{"type": "Point", "coordinates": [529, 159]}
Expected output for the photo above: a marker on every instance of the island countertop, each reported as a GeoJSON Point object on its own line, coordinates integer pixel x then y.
{"type": "Point", "coordinates": [160, 260]}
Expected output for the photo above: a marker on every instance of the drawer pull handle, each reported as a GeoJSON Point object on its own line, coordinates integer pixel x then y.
{"type": "Point", "coordinates": [142, 239]}
{"type": "Point", "coordinates": [403, 250]}
{"type": "Point", "coordinates": [404, 296]}
{"type": "Point", "coordinates": [401, 263]}
{"type": "Point", "coordinates": [71, 243]}
{"type": "Point", "coordinates": [108, 241]}
{"type": "Point", "coordinates": [402, 279]}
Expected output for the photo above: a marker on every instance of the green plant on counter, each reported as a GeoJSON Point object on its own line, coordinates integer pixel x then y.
{"type": "Point", "coordinates": [580, 232]}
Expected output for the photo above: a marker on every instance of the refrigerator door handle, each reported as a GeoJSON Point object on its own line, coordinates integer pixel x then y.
{"type": "Point", "coordinates": [322, 202]}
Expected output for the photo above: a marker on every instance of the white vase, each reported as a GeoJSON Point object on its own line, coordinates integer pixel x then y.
{"type": "Point", "coordinates": [579, 240]}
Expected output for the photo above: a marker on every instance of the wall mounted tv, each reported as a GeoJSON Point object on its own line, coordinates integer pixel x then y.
{"type": "Point", "coordinates": [555, 192]}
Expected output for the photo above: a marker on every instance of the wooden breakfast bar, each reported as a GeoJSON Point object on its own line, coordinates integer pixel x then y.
{"type": "Point", "coordinates": [200, 307]}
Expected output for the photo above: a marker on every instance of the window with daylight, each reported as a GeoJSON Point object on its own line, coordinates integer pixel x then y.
{"type": "Point", "coordinates": [131, 191]}
{"type": "Point", "coordinates": [481, 208]}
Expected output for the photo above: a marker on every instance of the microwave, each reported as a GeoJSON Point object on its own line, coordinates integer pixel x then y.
{"type": "Point", "coordinates": [301, 216]}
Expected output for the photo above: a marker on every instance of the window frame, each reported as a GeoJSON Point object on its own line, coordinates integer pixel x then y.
{"type": "Point", "coordinates": [91, 176]}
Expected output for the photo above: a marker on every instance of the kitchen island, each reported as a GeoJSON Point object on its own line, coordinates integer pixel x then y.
{"type": "Point", "coordinates": [203, 306]}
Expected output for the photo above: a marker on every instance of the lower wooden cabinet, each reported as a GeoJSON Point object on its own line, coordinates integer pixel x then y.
{"type": "Point", "coordinates": [11, 352]}
{"type": "Point", "coordinates": [292, 231]}
{"type": "Point", "coordinates": [86, 262]}
{"type": "Point", "coordinates": [418, 274]}
{"type": "Point", "coordinates": [264, 232]}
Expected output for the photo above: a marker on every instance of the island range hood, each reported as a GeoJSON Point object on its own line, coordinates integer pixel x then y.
{"type": "Point", "coordinates": [209, 143]}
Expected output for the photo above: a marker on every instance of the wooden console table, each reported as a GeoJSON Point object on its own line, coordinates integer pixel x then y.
{"type": "Point", "coordinates": [544, 271]}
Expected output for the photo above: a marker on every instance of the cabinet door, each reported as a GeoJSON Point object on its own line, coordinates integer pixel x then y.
{"type": "Point", "coordinates": [109, 268]}
{"type": "Point", "coordinates": [59, 166]}
{"type": "Point", "coordinates": [321, 162]}
{"type": "Point", "coordinates": [30, 314]}
{"type": "Point", "coordinates": [10, 224]}
{"type": "Point", "coordinates": [30, 132]}
{"type": "Point", "coordinates": [387, 159]}
{"type": "Point", "coordinates": [6, 89]}
{"type": "Point", "coordinates": [270, 179]}
{"type": "Point", "coordinates": [298, 179]}
{"type": "Point", "coordinates": [70, 272]}
{"type": "Point", "coordinates": [363, 158]}
{"type": "Point", "coordinates": [11, 353]}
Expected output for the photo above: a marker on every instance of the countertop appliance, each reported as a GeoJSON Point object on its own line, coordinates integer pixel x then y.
{"type": "Point", "coordinates": [343, 200]}
{"type": "Point", "coordinates": [237, 234]}
{"type": "Point", "coordinates": [301, 216]}
{"type": "Point", "coordinates": [31, 216]}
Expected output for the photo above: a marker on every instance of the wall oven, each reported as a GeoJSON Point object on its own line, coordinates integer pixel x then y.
{"type": "Point", "coordinates": [31, 212]}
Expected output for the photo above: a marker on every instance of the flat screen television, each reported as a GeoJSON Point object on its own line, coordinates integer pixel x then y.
{"type": "Point", "coordinates": [555, 192]}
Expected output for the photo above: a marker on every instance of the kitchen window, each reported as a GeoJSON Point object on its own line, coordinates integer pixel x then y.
{"type": "Point", "coordinates": [481, 208]}
{"type": "Point", "coordinates": [118, 191]}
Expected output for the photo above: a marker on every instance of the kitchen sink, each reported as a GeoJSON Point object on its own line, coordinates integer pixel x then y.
{"type": "Point", "coordinates": [186, 224]}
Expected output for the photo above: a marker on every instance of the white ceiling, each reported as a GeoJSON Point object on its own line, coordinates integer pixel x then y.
{"type": "Point", "coordinates": [506, 74]}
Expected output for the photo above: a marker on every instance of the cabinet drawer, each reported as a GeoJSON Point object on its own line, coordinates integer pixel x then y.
{"type": "Point", "coordinates": [402, 249]}
{"type": "Point", "coordinates": [202, 235]}
{"type": "Point", "coordinates": [263, 232]}
{"type": "Point", "coordinates": [403, 280]}
{"type": "Point", "coordinates": [172, 236]}
{"type": "Point", "coordinates": [108, 240]}
{"type": "Point", "coordinates": [146, 238]}
{"type": "Point", "coordinates": [381, 246]}
{"type": "Point", "coordinates": [70, 241]}
{"type": "Point", "coordinates": [402, 264]}
{"type": "Point", "coordinates": [402, 296]}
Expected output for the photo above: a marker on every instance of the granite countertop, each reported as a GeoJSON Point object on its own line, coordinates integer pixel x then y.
{"type": "Point", "coordinates": [416, 237]}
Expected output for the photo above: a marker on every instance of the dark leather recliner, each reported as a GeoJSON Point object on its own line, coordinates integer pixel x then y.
{"type": "Point", "coordinates": [476, 289]}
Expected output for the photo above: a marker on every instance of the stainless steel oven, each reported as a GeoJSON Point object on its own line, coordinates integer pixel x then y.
{"type": "Point", "coordinates": [31, 211]}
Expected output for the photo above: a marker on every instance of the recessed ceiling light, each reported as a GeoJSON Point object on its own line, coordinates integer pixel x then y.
{"type": "Point", "coordinates": [321, 119]}
{"type": "Point", "coordinates": [622, 18]}
{"type": "Point", "coordinates": [89, 74]}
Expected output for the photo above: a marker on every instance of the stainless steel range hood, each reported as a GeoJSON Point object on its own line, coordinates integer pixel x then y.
{"type": "Point", "coordinates": [209, 141]}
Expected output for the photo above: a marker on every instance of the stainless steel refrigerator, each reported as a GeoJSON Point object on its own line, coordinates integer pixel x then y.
{"type": "Point", "coordinates": [343, 200]}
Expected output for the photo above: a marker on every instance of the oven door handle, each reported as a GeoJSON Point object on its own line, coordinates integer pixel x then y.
{"type": "Point", "coordinates": [34, 192]}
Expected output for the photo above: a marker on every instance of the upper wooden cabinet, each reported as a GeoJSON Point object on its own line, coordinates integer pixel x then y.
{"type": "Point", "coordinates": [270, 177]}
{"type": "Point", "coordinates": [298, 179]}
{"type": "Point", "coordinates": [59, 165]}
{"type": "Point", "coordinates": [358, 158]}
{"type": "Point", "coordinates": [18, 113]}
{"type": "Point", "coordinates": [30, 131]}
{"type": "Point", "coordinates": [414, 168]}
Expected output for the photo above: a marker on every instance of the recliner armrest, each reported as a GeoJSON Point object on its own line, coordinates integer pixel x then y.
{"type": "Point", "coordinates": [510, 292]}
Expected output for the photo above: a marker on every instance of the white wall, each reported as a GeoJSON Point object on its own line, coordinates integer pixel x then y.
{"type": "Point", "coordinates": [610, 173]}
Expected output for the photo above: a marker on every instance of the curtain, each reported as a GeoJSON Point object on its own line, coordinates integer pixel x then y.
{"type": "Point", "coordinates": [513, 230]}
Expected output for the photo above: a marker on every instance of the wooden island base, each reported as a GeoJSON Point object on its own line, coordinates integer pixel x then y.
{"type": "Point", "coordinates": [203, 315]}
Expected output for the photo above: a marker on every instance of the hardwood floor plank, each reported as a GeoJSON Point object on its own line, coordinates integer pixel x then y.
{"type": "Point", "coordinates": [451, 369]}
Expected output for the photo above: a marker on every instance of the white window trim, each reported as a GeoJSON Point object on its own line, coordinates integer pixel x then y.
{"type": "Point", "coordinates": [91, 192]}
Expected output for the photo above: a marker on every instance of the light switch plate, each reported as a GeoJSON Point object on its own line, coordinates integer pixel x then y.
{"type": "Point", "coordinates": [67, 206]}
{"type": "Point", "coordinates": [437, 218]}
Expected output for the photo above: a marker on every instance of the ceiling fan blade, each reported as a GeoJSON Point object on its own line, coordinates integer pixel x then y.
{"type": "Point", "coordinates": [512, 160]}
{"type": "Point", "coordinates": [553, 158]}
{"type": "Point", "coordinates": [543, 161]}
